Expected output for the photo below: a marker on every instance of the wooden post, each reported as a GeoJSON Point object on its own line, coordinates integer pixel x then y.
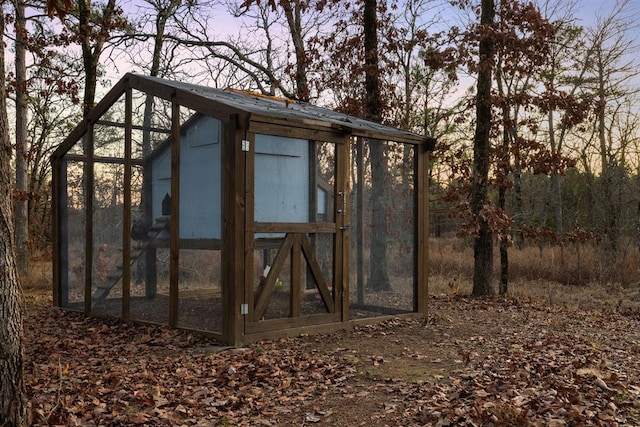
{"type": "Point", "coordinates": [313, 202]}
{"type": "Point", "coordinates": [296, 275]}
{"type": "Point", "coordinates": [360, 219]}
{"type": "Point", "coordinates": [248, 236]}
{"type": "Point", "coordinates": [174, 237]}
{"type": "Point", "coordinates": [59, 239]}
{"type": "Point", "coordinates": [341, 241]}
{"type": "Point", "coordinates": [150, 268]}
{"type": "Point", "coordinates": [126, 227]}
{"type": "Point", "coordinates": [421, 292]}
{"type": "Point", "coordinates": [233, 231]}
{"type": "Point", "coordinates": [88, 205]}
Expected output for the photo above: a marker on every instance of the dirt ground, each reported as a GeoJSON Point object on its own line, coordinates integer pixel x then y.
{"type": "Point", "coordinates": [404, 370]}
{"type": "Point", "coordinates": [471, 362]}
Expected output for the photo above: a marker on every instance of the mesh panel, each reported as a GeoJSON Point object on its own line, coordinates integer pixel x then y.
{"type": "Point", "coordinates": [382, 271]}
{"type": "Point", "coordinates": [73, 220]}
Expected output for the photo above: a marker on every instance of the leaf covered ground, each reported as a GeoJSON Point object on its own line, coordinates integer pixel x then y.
{"type": "Point", "coordinates": [471, 362]}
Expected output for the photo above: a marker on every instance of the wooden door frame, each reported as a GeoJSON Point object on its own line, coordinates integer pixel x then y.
{"type": "Point", "coordinates": [339, 229]}
{"type": "Point", "coordinates": [233, 229]}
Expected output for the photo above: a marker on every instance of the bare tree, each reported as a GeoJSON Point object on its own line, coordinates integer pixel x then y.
{"type": "Point", "coordinates": [524, 37]}
{"type": "Point", "coordinates": [293, 12]}
{"type": "Point", "coordinates": [286, 36]}
{"type": "Point", "coordinates": [92, 26]}
{"type": "Point", "coordinates": [563, 61]}
{"type": "Point", "coordinates": [611, 67]}
{"type": "Point", "coordinates": [162, 11]}
{"type": "Point", "coordinates": [51, 114]}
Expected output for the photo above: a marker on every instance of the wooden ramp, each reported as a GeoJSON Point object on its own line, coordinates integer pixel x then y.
{"type": "Point", "coordinates": [115, 274]}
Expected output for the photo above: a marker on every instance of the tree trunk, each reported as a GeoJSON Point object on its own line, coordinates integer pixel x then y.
{"type": "Point", "coordinates": [608, 171]}
{"type": "Point", "coordinates": [91, 53]}
{"type": "Point", "coordinates": [13, 409]}
{"type": "Point", "coordinates": [21, 201]}
{"type": "Point", "coordinates": [146, 266]}
{"type": "Point", "coordinates": [163, 15]}
{"type": "Point", "coordinates": [556, 195]}
{"type": "Point", "coordinates": [88, 59]}
{"type": "Point", "coordinates": [483, 242]}
{"type": "Point", "coordinates": [295, 28]}
{"type": "Point", "coordinates": [373, 103]}
{"type": "Point", "coordinates": [502, 199]}
{"type": "Point", "coordinates": [518, 205]}
{"type": "Point", "coordinates": [503, 172]}
{"type": "Point", "coordinates": [378, 277]}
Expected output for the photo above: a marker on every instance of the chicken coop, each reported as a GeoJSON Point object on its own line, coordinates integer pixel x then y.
{"type": "Point", "coordinates": [238, 215]}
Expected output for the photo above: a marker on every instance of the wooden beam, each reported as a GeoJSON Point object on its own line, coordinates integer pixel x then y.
{"type": "Point", "coordinates": [56, 232]}
{"type": "Point", "coordinates": [316, 271]}
{"type": "Point", "coordinates": [96, 112]}
{"type": "Point", "coordinates": [267, 126]}
{"type": "Point", "coordinates": [421, 258]}
{"type": "Point", "coordinates": [103, 159]}
{"type": "Point", "coordinates": [327, 131]}
{"type": "Point", "coordinates": [126, 215]}
{"type": "Point", "coordinates": [198, 244]}
{"type": "Point", "coordinates": [174, 227]}
{"type": "Point", "coordinates": [171, 91]}
{"type": "Point", "coordinates": [266, 288]}
{"type": "Point", "coordinates": [281, 324]}
{"type": "Point", "coordinates": [134, 127]}
{"type": "Point", "coordinates": [151, 261]}
{"type": "Point", "coordinates": [312, 324]}
{"type": "Point", "coordinates": [342, 215]}
{"type": "Point", "coordinates": [295, 227]}
{"type": "Point", "coordinates": [88, 205]}
{"type": "Point", "coordinates": [248, 237]}
{"type": "Point", "coordinates": [233, 230]}
{"type": "Point", "coordinates": [360, 220]}
{"type": "Point", "coordinates": [296, 276]}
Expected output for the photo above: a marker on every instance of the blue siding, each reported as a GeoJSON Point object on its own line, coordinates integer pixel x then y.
{"type": "Point", "coordinates": [200, 180]}
{"type": "Point", "coordinates": [281, 179]}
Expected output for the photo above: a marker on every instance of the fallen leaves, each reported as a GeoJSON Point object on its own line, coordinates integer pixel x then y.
{"type": "Point", "coordinates": [109, 373]}
{"type": "Point", "coordinates": [472, 362]}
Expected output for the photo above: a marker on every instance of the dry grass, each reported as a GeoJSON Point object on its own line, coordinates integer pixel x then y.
{"type": "Point", "coordinates": [547, 292]}
{"type": "Point", "coordinates": [576, 275]}
{"type": "Point", "coordinates": [38, 276]}
{"type": "Point", "coordinates": [579, 275]}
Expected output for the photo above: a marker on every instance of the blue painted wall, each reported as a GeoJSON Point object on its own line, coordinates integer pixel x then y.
{"type": "Point", "coordinates": [281, 191]}
{"type": "Point", "coordinates": [281, 180]}
{"type": "Point", "coordinates": [200, 180]}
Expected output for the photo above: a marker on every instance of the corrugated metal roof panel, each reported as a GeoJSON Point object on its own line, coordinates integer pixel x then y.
{"type": "Point", "coordinates": [280, 108]}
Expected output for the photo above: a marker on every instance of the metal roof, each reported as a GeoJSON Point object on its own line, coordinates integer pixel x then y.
{"type": "Point", "coordinates": [280, 108]}
{"type": "Point", "coordinates": [252, 106]}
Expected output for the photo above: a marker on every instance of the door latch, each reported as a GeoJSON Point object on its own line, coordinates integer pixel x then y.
{"type": "Point", "coordinates": [344, 202]}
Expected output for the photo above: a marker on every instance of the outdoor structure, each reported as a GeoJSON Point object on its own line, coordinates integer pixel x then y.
{"type": "Point", "coordinates": [238, 215]}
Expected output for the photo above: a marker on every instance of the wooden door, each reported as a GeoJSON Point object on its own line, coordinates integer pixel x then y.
{"type": "Point", "coordinates": [295, 264]}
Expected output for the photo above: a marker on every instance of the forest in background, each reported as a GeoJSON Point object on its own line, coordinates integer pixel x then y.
{"type": "Point", "coordinates": [565, 167]}
{"type": "Point", "coordinates": [536, 116]}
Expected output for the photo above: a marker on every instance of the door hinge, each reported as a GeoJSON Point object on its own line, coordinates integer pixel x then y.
{"type": "Point", "coordinates": [245, 145]}
{"type": "Point", "coordinates": [244, 308]}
